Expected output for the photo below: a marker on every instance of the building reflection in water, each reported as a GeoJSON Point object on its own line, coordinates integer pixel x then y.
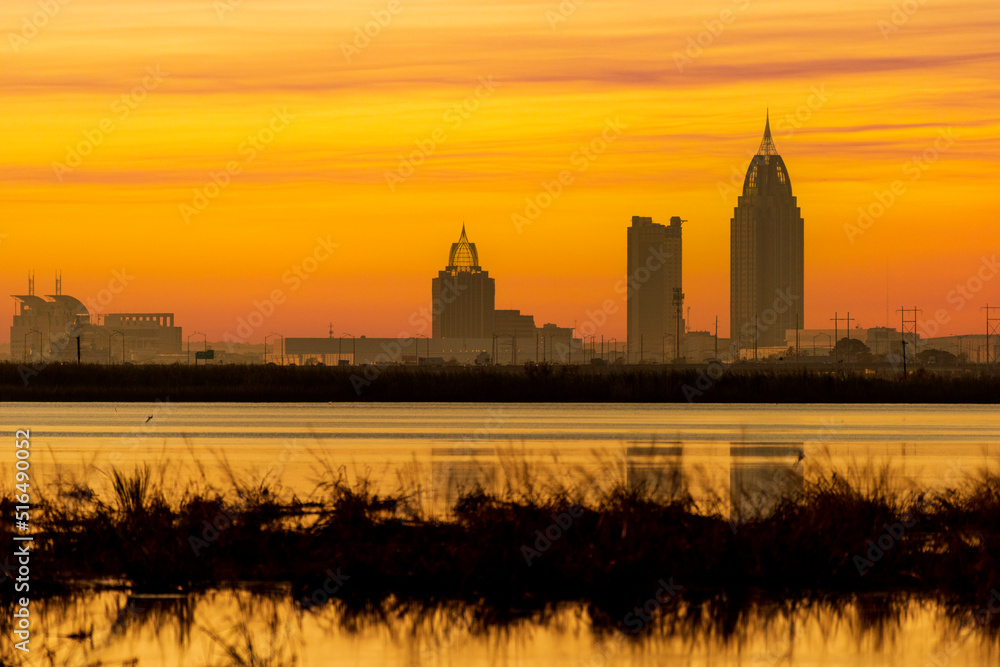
{"type": "Point", "coordinates": [458, 470]}
{"type": "Point", "coordinates": [761, 475]}
{"type": "Point", "coordinates": [656, 470]}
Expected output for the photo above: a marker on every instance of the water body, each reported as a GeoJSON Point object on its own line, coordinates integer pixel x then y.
{"type": "Point", "coordinates": [193, 631]}
{"type": "Point", "coordinates": [443, 447]}
{"type": "Point", "coordinates": [734, 454]}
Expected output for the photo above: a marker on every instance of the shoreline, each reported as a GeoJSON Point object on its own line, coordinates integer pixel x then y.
{"type": "Point", "coordinates": [743, 383]}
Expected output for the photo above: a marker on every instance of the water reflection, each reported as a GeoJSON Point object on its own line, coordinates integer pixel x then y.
{"type": "Point", "coordinates": [656, 470]}
{"type": "Point", "coordinates": [750, 456]}
{"type": "Point", "coordinates": [265, 627]}
{"type": "Point", "coordinates": [461, 470]}
{"type": "Point", "coordinates": [763, 474]}
{"type": "Point", "coordinates": [443, 448]}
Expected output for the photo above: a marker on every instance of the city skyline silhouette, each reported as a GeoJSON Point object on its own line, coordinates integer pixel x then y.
{"type": "Point", "coordinates": [201, 189]}
{"type": "Point", "coordinates": [546, 332]}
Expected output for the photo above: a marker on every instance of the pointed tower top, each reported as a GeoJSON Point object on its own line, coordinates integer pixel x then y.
{"type": "Point", "coordinates": [767, 143]}
{"type": "Point", "coordinates": [463, 254]}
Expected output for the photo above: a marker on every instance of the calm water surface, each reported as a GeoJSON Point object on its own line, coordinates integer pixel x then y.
{"type": "Point", "coordinates": [435, 449]}
{"type": "Point", "coordinates": [432, 451]}
{"type": "Point", "coordinates": [197, 630]}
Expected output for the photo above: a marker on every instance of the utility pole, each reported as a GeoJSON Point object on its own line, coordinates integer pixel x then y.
{"type": "Point", "coordinates": [992, 329]}
{"type": "Point", "coordinates": [797, 336]}
{"type": "Point", "coordinates": [836, 336]}
{"type": "Point", "coordinates": [912, 325]}
{"type": "Point", "coordinates": [569, 357]}
{"type": "Point", "coordinates": [849, 320]}
{"type": "Point", "coordinates": [678, 316]}
{"type": "Point", "coordinates": [716, 337]}
{"type": "Point", "coordinates": [836, 319]}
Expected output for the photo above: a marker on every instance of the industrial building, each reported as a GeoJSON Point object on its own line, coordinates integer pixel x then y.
{"type": "Point", "coordinates": [59, 327]}
{"type": "Point", "coordinates": [549, 343]}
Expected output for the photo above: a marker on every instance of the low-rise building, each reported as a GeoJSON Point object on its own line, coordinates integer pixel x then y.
{"type": "Point", "coordinates": [59, 327]}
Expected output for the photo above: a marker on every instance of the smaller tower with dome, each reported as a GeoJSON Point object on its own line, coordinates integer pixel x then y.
{"type": "Point", "coordinates": [463, 296]}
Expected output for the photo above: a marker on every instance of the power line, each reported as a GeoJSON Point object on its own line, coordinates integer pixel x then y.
{"type": "Point", "coordinates": [992, 329]}
{"type": "Point", "coordinates": [910, 324]}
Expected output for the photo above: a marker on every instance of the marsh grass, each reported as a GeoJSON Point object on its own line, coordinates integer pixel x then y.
{"type": "Point", "coordinates": [131, 492]}
{"type": "Point", "coordinates": [499, 544]}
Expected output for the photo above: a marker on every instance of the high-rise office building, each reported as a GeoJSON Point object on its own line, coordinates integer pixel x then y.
{"type": "Point", "coordinates": [463, 295]}
{"type": "Point", "coordinates": [655, 296]}
{"type": "Point", "coordinates": [766, 255]}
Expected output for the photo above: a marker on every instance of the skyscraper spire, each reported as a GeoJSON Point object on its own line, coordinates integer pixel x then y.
{"type": "Point", "coordinates": [767, 254]}
{"type": "Point", "coordinates": [463, 254]}
{"type": "Point", "coordinates": [767, 144]}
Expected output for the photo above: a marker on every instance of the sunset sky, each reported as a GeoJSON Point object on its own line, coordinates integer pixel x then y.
{"type": "Point", "coordinates": [117, 115]}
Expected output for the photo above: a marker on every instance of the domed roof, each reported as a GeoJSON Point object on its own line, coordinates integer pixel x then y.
{"type": "Point", "coordinates": [767, 175]}
{"type": "Point", "coordinates": [463, 254]}
{"type": "Point", "coordinates": [71, 303]}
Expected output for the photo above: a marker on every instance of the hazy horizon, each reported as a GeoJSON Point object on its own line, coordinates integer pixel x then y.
{"type": "Point", "coordinates": [164, 98]}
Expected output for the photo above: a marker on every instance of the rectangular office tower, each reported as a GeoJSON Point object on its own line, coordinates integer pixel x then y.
{"type": "Point", "coordinates": [766, 256]}
{"type": "Point", "coordinates": [463, 295]}
{"type": "Point", "coordinates": [655, 295]}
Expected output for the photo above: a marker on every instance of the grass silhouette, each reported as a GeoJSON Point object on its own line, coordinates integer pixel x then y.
{"type": "Point", "coordinates": [523, 542]}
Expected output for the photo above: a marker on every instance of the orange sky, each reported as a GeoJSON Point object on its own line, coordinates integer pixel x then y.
{"type": "Point", "coordinates": [161, 95]}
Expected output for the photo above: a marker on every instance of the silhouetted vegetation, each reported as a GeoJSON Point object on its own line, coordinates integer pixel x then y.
{"type": "Point", "coordinates": [851, 349]}
{"type": "Point", "coordinates": [934, 357]}
{"type": "Point", "coordinates": [841, 534]}
{"type": "Point", "coordinates": [743, 383]}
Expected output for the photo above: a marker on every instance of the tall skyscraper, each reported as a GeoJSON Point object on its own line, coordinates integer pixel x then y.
{"type": "Point", "coordinates": [766, 255]}
{"type": "Point", "coordinates": [463, 295]}
{"type": "Point", "coordinates": [654, 287]}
